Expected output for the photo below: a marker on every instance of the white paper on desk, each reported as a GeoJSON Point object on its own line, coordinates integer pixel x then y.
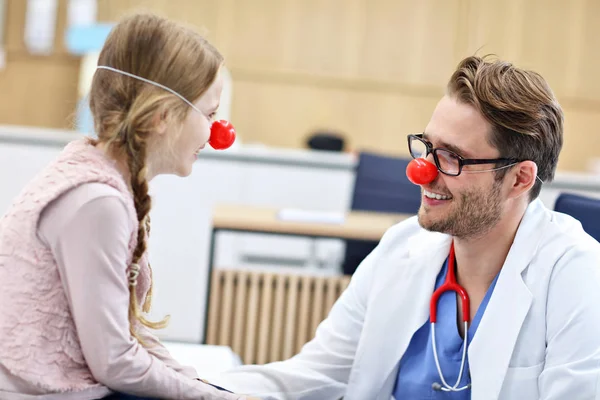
{"type": "Point", "coordinates": [299, 215]}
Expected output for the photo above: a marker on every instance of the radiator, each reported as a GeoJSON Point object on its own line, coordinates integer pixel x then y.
{"type": "Point", "coordinates": [266, 317]}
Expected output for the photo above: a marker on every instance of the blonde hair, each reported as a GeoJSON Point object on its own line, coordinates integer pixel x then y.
{"type": "Point", "coordinates": [125, 110]}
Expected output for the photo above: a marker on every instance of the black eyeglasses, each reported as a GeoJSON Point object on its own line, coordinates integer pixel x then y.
{"type": "Point", "coordinates": [447, 162]}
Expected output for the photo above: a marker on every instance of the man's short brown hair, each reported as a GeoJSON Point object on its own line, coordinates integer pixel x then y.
{"type": "Point", "coordinates": [527, 121]}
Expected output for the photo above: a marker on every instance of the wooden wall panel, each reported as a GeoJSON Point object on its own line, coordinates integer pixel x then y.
{"type": "Point", "coordinates": [558, 39]}
{"type": "Point", "coordinates": [258, 34]}
{"type": "Point", "coordinates": [36, 90]}
{"type": "Point", "coordinates": [553, 37]}
{"type": "Point", "coordinates": [201, 14]}
{"type": "Point", "coordinates": [410, 42]}
{"type": "Point", "coordinates": [372, 69]}
{"type": "Point", "coordinates": [15, 24]}
{"type": "Point", "coordinates": [585, 61]}
{"type": "Point", "coordinates": [582, 139]}
{"type": "Point", "coordinates": [324, 37]}
{"type": "Point", "coordinates": [377, 121]}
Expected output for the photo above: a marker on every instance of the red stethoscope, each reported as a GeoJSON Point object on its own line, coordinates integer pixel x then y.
{"type": "Point", "coordinates": [421, 172]}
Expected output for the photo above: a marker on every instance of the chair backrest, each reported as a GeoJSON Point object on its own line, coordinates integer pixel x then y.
{"type": "Point", "coordinates": [380, 185]}
{"type": "Point", "coordinates": [585, 209]}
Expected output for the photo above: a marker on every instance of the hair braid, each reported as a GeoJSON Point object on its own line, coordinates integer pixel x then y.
{"type": "Point", "coordinates": [135, 148]}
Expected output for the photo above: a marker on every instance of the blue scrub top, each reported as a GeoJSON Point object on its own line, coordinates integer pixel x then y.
{"type": "Point", "coordinates": [418, 371]}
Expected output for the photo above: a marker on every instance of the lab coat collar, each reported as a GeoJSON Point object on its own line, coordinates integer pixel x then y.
{"type": "Point", "coordinates": [492, 346]}
{"type": "Point", "coordinates": [407, 297]}
{"type": "Point", "coordinates": [409, 293]}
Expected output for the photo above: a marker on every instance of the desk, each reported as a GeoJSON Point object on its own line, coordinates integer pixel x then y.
{"type": "Point", "coordinates": [207, 360]}
{"type": "Point", "coordinates": [356, 225]}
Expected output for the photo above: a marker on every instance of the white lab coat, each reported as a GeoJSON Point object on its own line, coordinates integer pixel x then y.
{"type": "Point", "coordinates": [539, 337]}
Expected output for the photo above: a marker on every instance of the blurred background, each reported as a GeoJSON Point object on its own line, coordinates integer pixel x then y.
{"type": "Point", "coordinates": [322, 95]}
{"type": "Point", "coordinates": [370, 70]}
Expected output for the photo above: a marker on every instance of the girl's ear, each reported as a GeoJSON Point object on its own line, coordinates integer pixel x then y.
{"type": "Point", "coordinates": [160, 121]}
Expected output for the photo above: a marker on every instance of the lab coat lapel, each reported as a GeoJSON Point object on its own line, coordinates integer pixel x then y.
{"type": "Point", "coordinates": [492, 346]}
{"type": "Point", "coordinates": [406, 296]}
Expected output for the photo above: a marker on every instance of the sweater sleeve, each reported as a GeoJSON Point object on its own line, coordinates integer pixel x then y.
{"type": "Point", "coordinates": [156, 348]}
{"type": "Point", "coordinates": [89, 237]}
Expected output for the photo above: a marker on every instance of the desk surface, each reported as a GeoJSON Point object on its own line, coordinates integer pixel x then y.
{"type": "Point", "coordinates": [355, 224]}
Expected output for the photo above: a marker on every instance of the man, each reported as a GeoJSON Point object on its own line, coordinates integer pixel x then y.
{"type": "Point", "coordinates": [532, 275]}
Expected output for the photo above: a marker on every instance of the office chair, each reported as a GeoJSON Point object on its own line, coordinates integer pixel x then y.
{"type": "Point", "coordinates": [380, 185]}
{"type": "Point", "coordinates": [585, 209]}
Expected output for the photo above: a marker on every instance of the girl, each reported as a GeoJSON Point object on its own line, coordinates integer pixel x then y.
{"type": "Point", "coordinates": [73, 266]}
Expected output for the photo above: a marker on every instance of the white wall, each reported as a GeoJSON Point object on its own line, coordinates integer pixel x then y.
{"type": "Point", "coordinates": [181, 225]}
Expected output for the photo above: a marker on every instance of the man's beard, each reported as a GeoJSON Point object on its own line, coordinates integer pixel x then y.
{"type": "Point", "coordinates": [476, 213]}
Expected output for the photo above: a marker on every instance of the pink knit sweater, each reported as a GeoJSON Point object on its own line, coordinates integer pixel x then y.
{"type": "Point", "coordinates": [40, 347]}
